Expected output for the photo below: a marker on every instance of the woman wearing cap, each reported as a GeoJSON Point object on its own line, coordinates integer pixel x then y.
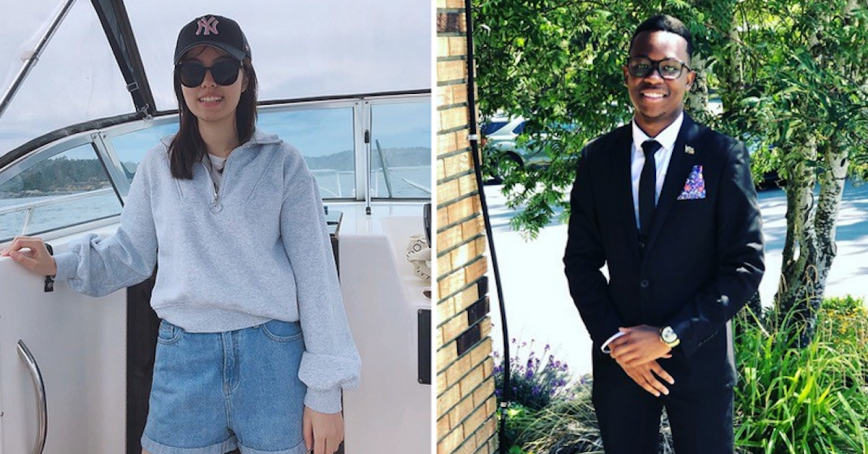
{"type": "Point", "coordinates": [254, 346]}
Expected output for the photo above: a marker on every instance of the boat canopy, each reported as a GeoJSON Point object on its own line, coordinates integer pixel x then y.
{"type": "Point", "coordinates": [92, 64]}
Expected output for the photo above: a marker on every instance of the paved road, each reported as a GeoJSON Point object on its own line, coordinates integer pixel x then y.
{"type": "Point", "coordinates": [537, 299]}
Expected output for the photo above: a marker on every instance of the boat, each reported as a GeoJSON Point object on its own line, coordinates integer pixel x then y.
{"type": "Point", "coordinates": [87, 91]}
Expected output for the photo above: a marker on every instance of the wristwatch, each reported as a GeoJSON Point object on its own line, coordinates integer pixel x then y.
{"type": "Point", "coordinates": [668, 337]}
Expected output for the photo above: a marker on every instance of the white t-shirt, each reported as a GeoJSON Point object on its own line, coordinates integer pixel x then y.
{"type": "Point", "coordinates": [217, 165]}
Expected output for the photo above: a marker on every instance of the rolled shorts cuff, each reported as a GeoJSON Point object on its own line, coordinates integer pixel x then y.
{"type": "Point", "coordinates": [300, 449]}
{"type": "Point", "coordinates": [219, 448]}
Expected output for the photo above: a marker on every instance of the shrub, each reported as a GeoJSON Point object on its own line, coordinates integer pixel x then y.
{"type": "Point", "coordinates": [791, 400]}
{"type": "Point", "coordinates": [787, 400]}
{"type": "Point", "coordinates": [845, 319]}
{"type": "Point", "coordinates": [534, 382]}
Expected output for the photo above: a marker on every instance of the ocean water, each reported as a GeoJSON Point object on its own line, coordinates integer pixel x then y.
{"type": "Point", "coordinates": [54, 216]}
{"type": "Point", "coordinates": [405, 184]}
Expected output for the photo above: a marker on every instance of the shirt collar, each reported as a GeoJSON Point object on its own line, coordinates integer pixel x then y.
{"type": "Point", "coordinates": [666, 138]}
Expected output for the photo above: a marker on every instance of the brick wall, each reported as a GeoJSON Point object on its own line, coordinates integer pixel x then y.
{"type": "Point", "coordinates": [465, 386]}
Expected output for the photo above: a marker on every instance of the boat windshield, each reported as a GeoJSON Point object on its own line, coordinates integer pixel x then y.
{"type": "Point", "coordinates": [315, 50]}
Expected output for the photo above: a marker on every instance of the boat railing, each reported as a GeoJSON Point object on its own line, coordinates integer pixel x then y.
{"type": "Point", "coordinates": [387, 173]}
{"type": "Point", "coordinates": [29, 207]}
{"type": "Point", "coordinates": [327, 192]}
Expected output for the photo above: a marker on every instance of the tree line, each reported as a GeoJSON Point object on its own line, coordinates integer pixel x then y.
{"type": "Point", "coordinates": [57, 176]}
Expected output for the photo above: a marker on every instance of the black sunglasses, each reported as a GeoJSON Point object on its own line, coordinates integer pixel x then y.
{"type": "Point", "coordinates": [224, 72]}
{"type": "Point", "coordinates": [668, 68]}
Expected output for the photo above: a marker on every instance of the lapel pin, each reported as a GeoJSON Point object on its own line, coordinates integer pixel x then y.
{"type": "Point", "coordinates": [689, 150]}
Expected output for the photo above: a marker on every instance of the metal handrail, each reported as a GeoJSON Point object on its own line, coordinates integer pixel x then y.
{"type": "Point", "coordinates": [54, 200]}
{"type": "Point", "coordinates": [39, 385]}
{"type": "Point", "coordinates": [385, 165]}
{"type": "Point", "coordinates": [337, 174]}
{"type": "Point", "coordinates": [29, 207]}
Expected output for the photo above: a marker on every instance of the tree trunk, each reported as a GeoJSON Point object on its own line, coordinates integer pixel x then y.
{"type": "Point", "coordinates": [732, 67]}
{"type": "Point", "coordinates": [697, 97]}
{"type": "Point", "coordinates": [797, 301]}
{"type": "Point", "coordinates": [811, 223]}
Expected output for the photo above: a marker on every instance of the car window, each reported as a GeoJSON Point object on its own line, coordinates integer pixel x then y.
{"type": "Point", "coordinates": [401, 150]}
{"type": "Point", "coordinates": [489, 128]}
{"type": "Point", "coordinates": [64, 190]}
{"type": "Point", "coordinates": [519, 129]}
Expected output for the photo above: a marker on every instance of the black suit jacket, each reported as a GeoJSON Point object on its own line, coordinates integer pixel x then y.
{"type": "Point", "coordinates": [701, 262]}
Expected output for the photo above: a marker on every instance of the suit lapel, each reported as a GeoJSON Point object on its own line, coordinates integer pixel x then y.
{"type": "Point", "coordinates": [679, 169]}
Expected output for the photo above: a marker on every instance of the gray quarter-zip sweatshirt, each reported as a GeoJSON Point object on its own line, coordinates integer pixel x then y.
{"type": "Point", "coordinates": [255, 250]}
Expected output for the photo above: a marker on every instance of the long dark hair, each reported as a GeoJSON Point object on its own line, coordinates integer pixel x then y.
{"type": "Point", "coordinates": [188, 148]}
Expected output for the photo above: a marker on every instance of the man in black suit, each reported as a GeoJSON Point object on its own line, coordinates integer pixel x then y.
{"type": "Point", "coordinates": [669, 206]}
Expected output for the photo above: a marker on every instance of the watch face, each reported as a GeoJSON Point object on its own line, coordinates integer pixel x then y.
{"type": "Point", "coordinates": [669, 335]}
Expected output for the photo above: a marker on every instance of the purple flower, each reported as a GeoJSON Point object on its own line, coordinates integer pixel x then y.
{"type": "Point", "coordinates": [535, 390]}
{"type": "Point", "coordinates": [528, 374]}
{"type": "Point", "coordinates": [548, 347]}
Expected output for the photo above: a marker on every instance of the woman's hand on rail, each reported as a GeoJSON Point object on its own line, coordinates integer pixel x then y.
{"type": "Point", "coordinates": [31, 253]}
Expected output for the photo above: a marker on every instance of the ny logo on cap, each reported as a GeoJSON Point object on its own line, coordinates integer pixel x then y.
{"type": "Point", "coordinates": [209, 25]}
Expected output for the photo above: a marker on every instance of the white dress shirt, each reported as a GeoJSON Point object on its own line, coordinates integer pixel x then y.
{"type": "Point", "coordinates": [666, 138]}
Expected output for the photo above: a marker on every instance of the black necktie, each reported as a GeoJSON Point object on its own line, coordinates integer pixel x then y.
{"type": "Point", "coordinates": [647, 188]}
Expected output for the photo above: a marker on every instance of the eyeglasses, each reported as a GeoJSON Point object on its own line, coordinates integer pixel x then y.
{"type": "Point", "coordinates": [224, 72]}
{"type": "Point", "coordinates": [668, 68]}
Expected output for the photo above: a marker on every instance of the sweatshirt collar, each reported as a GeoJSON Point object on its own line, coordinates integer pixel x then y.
{"type": "Point", "coordinates": [262, 138]}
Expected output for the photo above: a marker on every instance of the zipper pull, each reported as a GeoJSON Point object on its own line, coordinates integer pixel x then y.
{"type": "Point", "coordinates": [216, 205]}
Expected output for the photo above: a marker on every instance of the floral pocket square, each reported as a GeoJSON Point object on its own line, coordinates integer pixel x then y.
{"type": "Point", "coordinates": [694, 187]}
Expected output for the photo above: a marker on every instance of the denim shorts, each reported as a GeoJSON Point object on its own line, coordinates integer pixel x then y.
{"type": "Point", "coordinates": [213, 392]}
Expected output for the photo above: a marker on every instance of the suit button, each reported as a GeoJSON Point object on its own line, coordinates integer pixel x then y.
{"type": "Point", "coordinates": [644, 283]}
{"type": "Point", "coordinates": [641, 245]}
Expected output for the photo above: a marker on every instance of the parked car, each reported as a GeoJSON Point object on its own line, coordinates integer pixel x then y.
{"type": "Point", "coordinates": [770, 179]}
{"type": "Point", "coordinates": [504, 148]}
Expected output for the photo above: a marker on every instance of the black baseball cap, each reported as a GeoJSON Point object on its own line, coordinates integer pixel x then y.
{"type": "Point", "coordinates": [212, 30]}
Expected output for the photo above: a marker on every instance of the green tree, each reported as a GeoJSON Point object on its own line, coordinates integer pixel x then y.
{"type": "Point", "coordinates": [804, 104]}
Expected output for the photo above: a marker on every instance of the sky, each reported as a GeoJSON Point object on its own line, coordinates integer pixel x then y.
{"type": "Point", "coordinates": [300, 49]}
